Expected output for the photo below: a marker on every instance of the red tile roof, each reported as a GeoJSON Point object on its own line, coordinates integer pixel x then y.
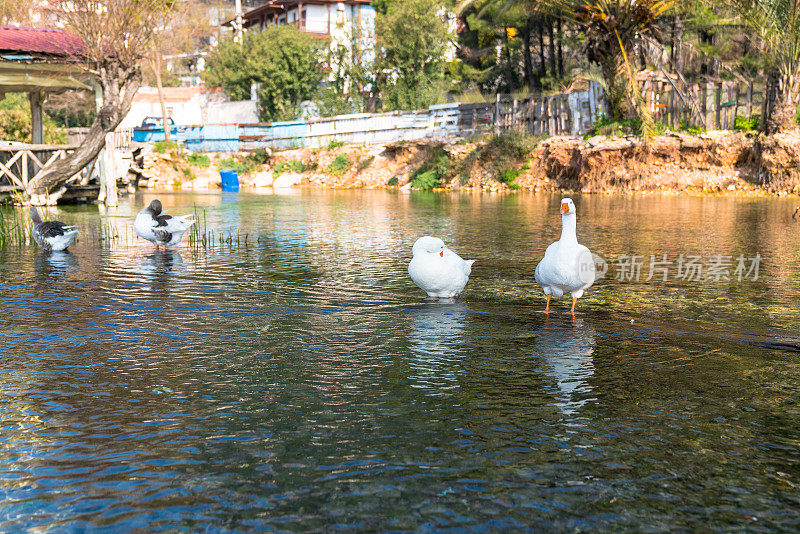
{"type": "Point", "coordinates": [38, 41]}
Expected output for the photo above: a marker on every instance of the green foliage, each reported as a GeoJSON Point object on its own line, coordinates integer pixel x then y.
{"type": "Point", "coordinates": [162, 147]}
{"type": "Point", "coordinates": [69, 118]}
{"type": "Point", "coordinates": [365, 163]}
{"type": "Point", "coordinates": [334, 145]}
{"type": "Point", "coordinates": [393, 181]}
{"type": "Point", "coordinates": [241, 167]}
{"type": "Point", "coordinates": [198, 160]}
{"type": "Point", "coordinates": [288, 166]}
{"type": "Point", "coordinates": [283, 60]}
{"type": "Point", "coordinates": [187, 172]}
{"type": "Point", "coordinates": [432, 173]}
{"type": "Point", "coordinates": [15, 122]}
{"type": "Point", "coordinates": [744, 124]}
{"type": "Point", "coordinates": [690, 129]}
{"type": "Point", "coordinates": [425, 180]}
{"type": "Point", "coordinates": [412, 39]}
{"type": "Point", "coordinates": [340, 165]}
{"type": "Point", "coordinates": [259, 156]}
{"type": "Point", "coordinates": [619, 128]}
{"type": "Point", "coordinates": [508, 176]}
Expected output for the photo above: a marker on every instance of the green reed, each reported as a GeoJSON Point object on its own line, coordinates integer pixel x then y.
{"type": "Point", "coordinates": [15, 228]}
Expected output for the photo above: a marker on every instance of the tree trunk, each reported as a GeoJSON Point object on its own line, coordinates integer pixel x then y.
{"type": "Point", "coordinates": [781, 95]}
{"type": "Point", "coordinates": [552, 47]}
{"type": "Point", "coordinates": [526, 52]}
{"type": "Point", "coordinates": [560, 49]}
{"type": "Point", "coordinates": [119, 85]}
{"type": "Point", "coordinates": [542, 65]}
{"type": "Point", "coordinates": [160, 87]}
{"type": "Point", "coordinates": [510, 85]}
{"type": "Point", "coordinates": [677, 46]}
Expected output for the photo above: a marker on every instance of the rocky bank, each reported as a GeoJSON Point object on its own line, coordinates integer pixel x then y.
{"type": "Point", "coordinates": [712, 161]}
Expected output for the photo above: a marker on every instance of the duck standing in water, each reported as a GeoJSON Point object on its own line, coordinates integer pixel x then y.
{"type": "Point", "coordinates": [567, 267]}
{"type": "Point", "coordinates": [51, 235]}
{"type": "Point", "coordinates": [437, 270]}
{"type": "Point", "coordinates": [160, 229]}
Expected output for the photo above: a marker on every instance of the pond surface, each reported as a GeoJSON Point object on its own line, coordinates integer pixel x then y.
{"type": "Point", "coordinates": [294, 381]}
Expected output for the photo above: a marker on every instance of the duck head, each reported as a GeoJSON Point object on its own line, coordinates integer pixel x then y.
{"type": "Point", "coordinates": [155, 207]}
{"type": "Point", "coordinates": [567, 206]}
{"type": "Point", "coordinates": [429, 245]}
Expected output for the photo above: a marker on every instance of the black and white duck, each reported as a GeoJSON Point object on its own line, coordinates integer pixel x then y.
{"type": "Point", "coordinates": [51, 235]}
{"type": "Point", "coordinates": [160, 229]}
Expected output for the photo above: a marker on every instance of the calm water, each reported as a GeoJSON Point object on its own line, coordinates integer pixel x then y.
{"type": "Point", "coordinates": [296, 382]}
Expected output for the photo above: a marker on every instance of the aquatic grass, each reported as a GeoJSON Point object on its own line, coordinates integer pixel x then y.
{"type": "Point", "coordinates": [201, 237]}
{"type": "Point", "coordinates": [15, 228]}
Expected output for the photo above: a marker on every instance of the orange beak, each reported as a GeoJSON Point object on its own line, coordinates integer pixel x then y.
{"type": "Point", "coordinates": [441, 254]}
{"type": "Point", "coordinates": [564, 208]}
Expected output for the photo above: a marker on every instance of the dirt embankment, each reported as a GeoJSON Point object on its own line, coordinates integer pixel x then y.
{"type": "Point", "coordinates": [712, 161]}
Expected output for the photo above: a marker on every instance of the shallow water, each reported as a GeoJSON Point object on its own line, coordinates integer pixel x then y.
{"type": "Point", "coordinates": [295, 381]}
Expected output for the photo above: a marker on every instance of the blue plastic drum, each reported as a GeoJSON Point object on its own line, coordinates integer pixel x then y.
{"type": "Point", "coordinates": [230, 180]}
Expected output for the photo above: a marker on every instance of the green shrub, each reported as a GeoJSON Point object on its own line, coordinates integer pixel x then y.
{"type": "Point", "coordinates": [259, 156]}
{"type": "Point", "coordinates": [690, 128]}
{"type": "Point", "coordinates": [187, 172]}
{"type": "Point", "coordinates": [311, 165]}
{"type": "Point", "coordinates": [432, 173]}
{"type": "Point", "coordinates": [165, 146]}
{"type": "Point", "coordinates": [393, 181]}
{"type": "Point", "coordinates": [340, 165]}
{"type": "Point", "coordinates": [15, 121]}
{"type": "Point", "coordinates": [335, 144]}
{"type": "Point", "coordinates": [744, 124]}
{"type": "Point", "coordinates": [241, 167]}
{"type": "Point", "coordinates": [365, 163]}
{"type": "Point", "coordinates": [425, 180]}
{"type": "Point", "coordinates": [508, 176]}
{"type": "Point", "coordinates": [198, 160]}
{"type": "Point", "coordinates": [291, 165]}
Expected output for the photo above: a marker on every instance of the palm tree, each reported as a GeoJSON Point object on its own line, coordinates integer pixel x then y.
{"type": "Point", "coordinates": [612, 29]}
{"type": "Point", "coordinates": [777, 24]}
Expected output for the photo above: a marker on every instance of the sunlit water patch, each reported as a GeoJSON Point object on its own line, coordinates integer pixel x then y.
{"type": "Point", "coordinates": [295, 381]}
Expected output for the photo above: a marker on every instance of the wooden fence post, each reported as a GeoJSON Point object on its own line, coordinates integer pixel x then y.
{"type": "Point", "coordinates": [497, 114]}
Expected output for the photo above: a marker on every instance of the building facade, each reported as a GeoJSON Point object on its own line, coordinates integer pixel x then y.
{"type": "Point", "coordinates": [322, 18]}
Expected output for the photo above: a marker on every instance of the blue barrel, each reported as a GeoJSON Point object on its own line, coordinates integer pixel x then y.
{"type": "Point", "coordinates": [230, 180]}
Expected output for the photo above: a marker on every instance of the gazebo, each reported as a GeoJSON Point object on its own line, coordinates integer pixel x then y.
{"type": "Point", "coordinates": [39, 62]}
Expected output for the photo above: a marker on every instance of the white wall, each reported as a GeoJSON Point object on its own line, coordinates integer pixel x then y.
{"type": "Point", "coordinates": [197, 108]}
{"type": "Point", "coordinates": [317, 18]}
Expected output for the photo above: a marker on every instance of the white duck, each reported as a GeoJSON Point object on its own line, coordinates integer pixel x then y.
{"type": "Point", "coordinates": [567, 267]}
{"type": "Point", "coordinates": [162, 230]}
{"type": "Point", "coordinates": [51, 235]}
{"type": "Point", "coordinates": [437, 270]}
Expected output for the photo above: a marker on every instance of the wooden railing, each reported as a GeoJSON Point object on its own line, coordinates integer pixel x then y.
{"type": "Point", "coordinates": [22, 164]}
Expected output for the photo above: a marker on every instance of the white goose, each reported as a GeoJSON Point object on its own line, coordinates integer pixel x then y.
{"type": "Point", "coordinates": [437, 270]}
{"type": "Point", "coordinates": [51, 235]}
{"type": "Point", "coordinates": [162, 230]}
{"type": "Point", "coordinates": [567, 267]}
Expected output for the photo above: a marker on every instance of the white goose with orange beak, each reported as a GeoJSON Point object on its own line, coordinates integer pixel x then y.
{"type": "Point", "coordinates": [437, 270]}
{"type": "Point", "coordinates": [567, 267]}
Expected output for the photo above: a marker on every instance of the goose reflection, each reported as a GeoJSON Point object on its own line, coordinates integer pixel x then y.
{"type": "Point", "coordinates": [160, 267]}
{"type": "Point", "coordinates": [57, 264]}
{"type": "Point", "coordinates": [436, 330]}
{"type": "Point", "coordinates": [567, 348]}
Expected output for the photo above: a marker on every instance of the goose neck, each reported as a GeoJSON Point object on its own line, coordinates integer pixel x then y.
{"type": "Point", "coordinates": [568, 228]}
